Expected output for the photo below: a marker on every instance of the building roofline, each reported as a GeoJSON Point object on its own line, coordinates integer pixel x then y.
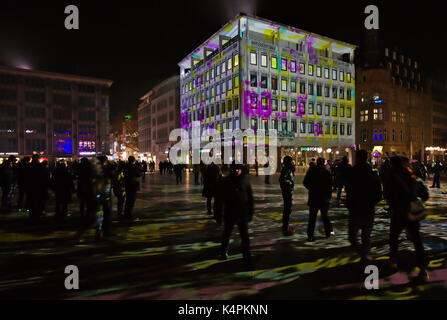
{"type": "Point", "coordinates": [158, 85]}
{"type": "Point", "coordinates": [240, 15]}
{"type": "Point", "coordinates": [54, 75]}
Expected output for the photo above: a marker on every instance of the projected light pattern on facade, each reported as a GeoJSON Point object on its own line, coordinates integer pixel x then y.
{"type": "Point", "coordinates": [254, 73]}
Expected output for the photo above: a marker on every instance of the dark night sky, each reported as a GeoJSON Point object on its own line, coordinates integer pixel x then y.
{"type": "Point", "coordinates": [139, 43]}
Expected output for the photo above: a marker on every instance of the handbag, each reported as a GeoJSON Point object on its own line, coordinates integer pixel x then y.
{"type": "Point", "coordinates": [417, 210]}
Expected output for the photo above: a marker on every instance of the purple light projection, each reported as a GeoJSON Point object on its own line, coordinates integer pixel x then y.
{"type": "Point", "coordinates": [318, 129]}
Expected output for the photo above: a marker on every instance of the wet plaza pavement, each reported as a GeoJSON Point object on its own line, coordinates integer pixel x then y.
{"type": "Point", "coordinates": [171, 251]}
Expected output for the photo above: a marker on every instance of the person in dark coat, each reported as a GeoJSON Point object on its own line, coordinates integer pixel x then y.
{"type": "Point", "coordinates": [21, 180]}
{"type": "Point", "coordinates": [235, 206]}
{"type": "Point", "coordinates": [341, 170]}
{"type": "Point", "coordinates": [132, 174]}
{"type": "Point", "coordinates": [144, 169]}
{"type": "Point", "coordinates": [119, 187]}
{"type": "Point", "coordinates": [63, 185]}
{"type": "Point", "coordinates": [363, 192]}
{"type": "Point", "coordinates": [437, 169]}
{"type": "Point", "coordinates": [212, 176]}
{"type": "Point", "coordinates": [287, 184]}
{"type": "Point", "coordinates": [37, 182]}
{"type": "Point", "coordinates": [318, 182]}
{"type": "Point", "coordinates": [7, 181]}
{"type": "Point", "coordinates": [85, 178]}
{"type": "Point", "coordinates": [196, 169]}
{"type": "Point", "coordinates": [178, 170]}
{"type": "Point", "coordinates": [106, 195]}
{"type": "Point", "coordinates": [403, 187]}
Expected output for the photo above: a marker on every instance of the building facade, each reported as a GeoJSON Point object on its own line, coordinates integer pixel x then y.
{"type": "Point", "coordinates": [55, 115]}
{"type": "Point", "coordinates": [158, 115]}
{"type": "Point", "coordinates": [393, 103]}
{"type": "Point", "coordinates": [258, 74]}
{"type": "Point", "coordinates": [438, 92]}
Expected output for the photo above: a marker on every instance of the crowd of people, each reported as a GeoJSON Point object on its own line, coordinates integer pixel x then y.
{"type": "Point", "coordinates": [92, 180]}
{"type": "Point", "coordinates": [229, 196]}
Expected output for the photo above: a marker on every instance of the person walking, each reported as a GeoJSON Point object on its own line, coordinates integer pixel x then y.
{"type": "Point", "coordinates": [363, 192]}
{"type": "Point", "coordinates": [437, 169]}
{"type": "Point", "coordinates": [401, 189]}
{"type": "Point", "coordinates": [144, 169]}
{"type": "Point", "coordinates": [267, 176]}
{"type": "Point", "coordinates": [341, 170]}
{"type": "Point", "coordinates": [178, 171]}
{"type": "Point", "coordinates": [21, 181]}
{"type": "Point", "coordinates": [7, 181]}
{"type": "Point", "coordinates": [132, 174]}
{"type": "Point", "coordinates": [119, 188]}
{"type": "Point", "coordinates": [318, 181]}
{"type": "Point", "coordinates": [63, 186]}
{"type": "Point", "coordinates": [287, 184]}
{"type": "Point", "coordinates": [37, 182]}
{"type": "Point", "coordinates": [235, 206]}
{"type": "Point", "coordinates": [212, 176]}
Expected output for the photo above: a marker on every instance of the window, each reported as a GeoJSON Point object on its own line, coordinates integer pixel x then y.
{"type": "Point", "coordinates": [229, 63]}
{"type": "Point", "coordinates": [283, 64]}
{"type": "Point", "coordinates": [342, 76]}
{"type": "Point", "coordinates": [284, 125]}
{"type": "Point", "coordinates": [293, 86]}
{"type": "Point", "coordinates": [274, 83]}
{"type": "Point", "coordinates": [319, 109]}
{"type": "Point", "coordinates": [363, 115]}
{"type": "Point", "coordinates": [230, 106]}
{"type": "Point", "coordinates": [302, 127]}
{"type": "Point", "coordinates": [275, 104]}
{"type": "Point", "coordinates": [253, 58]}
{"type": "Point", "coordinates": [311, 89]}
{"type": "Point", "coordinates": [311, 70]}
{"type": "Point", "coordinates": [402, 117]}
{"type": "Point", "coordinates": [263, 60]}
{"type": "Point", "coordinates": [283, 84]}
{"type": "Point", "coordinates": [334, 74]}
{"type": "Point", "coordinates": [253, 80]}
{"type": "Point", "coordinates": [319, 71]}
{"type": "Point", "coordinates": [230, 84]}
{"type": "Point", "coordinates": [349, 129]}
{"type": "Point", "coordinates": [378, 114]}
{"type": "Point", "coordinates": [385, 135]}
{"type": "Point", "coordinates": [236, 59]}
{"type": "Point", "coordinates": [326, 91]}
{"type": "Point", "coordinates": [393, 116]}
{"type": "Point", "coordinates": [283, 105]}
{"type": "Point", "coordinates": [274, 62]}
{"type": "Point", "coordinates": [327, 110]}
{"type": "Point", "coordinates": [294, 127]}
{"type": "Point", "coordinates": [342, 111]}
{"type": "Point", "coordinates": [326, 73]}
{"type": "Point", "coordinates": [254, 123]}
{"type": "Point", "coordinates": [293, 106]}
{"type": "Point", "coordinates": [31, 96]}
{"type": "Point", "coordinates": [401, 135]}
{"type": "Point", "coordinates": [334, 92]}
{"type": "Point", "coordinates": [236, 82]}
{"type": "Point", "coordinates": [348, 94]}
{"type": "Point", "coordinates": [334, 110]}
{"type": "Point", "coordinates": [386, 52]}
{"type": "Point", "coordinates": [86, 102]}
{"type": "Point", "coordinates": [302, 68]}
{"type": "Point", "coordinates": [310, 107]}
{"type": "Point", "coordinates": [293, 65]}
{"type": "Point", "coordinates": [264, 103]}
{"type": "Point", "coordinates": [348, 77]}
{"type": "Point", "coordinates": [342, 129]}
{"type": "Point", "coordinates": [264, 81]}
{"type": "Point", "coordinates": [32, 112]}
{"type": "Point", "coordinates": [62, 114]}
{"type": "Point", "coordinates": [302, 87]}
{"type": "Point", "coordinates": [236, 103]}
{"type": "Point", "coordinates": [310, 127]}
{"type": "Point", "coordinates": [334, 128]}
{"type": "Point", "coordinates": [327, 128]}
{"type": "Point", "coordinates": [87, 116]}
{"type": "Point", "coordinates": [224, 107]}
{"type": "Point", "coordinates": [319, 89]}
{"type": "Point", "coordinates": [274, 124]}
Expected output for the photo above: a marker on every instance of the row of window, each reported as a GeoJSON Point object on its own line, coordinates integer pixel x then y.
{"type": "Point", "coordinates": [39, 97]}
{"type": "Point", "coordinates": [286, 84]}
{"type": "Point", "coordinates": [402, 58]}
{"type": "Point", "coordinates": [378, 114]}
{"type": "Point", "coordinates": [284, 65]}
{"type": "Point", "coordinates": [210, 111]}
{"type": "Point", "coordinates": [381, 135]}
{"type": "Point", "coordinates": [219, 88]}
{"type": "Point", "coordinates": [306, 127]}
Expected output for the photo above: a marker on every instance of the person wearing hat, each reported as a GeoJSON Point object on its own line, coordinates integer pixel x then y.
{"type": "Point", "coordinates": [235, 206]}
{"type": "Point", "coordinates": [287, 184]}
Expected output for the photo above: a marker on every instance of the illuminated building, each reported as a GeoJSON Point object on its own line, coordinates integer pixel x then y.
{"type": "Point", "coordinates": [393, 102]}
{"type": "Point", "coordinates": [158, 115]}
{"type": "Point", "coordinates": [57, 115]}
{"type": "Point", "coordinates": [259, 74]}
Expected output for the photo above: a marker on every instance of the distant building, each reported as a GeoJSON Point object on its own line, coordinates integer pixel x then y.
{"type": "Point", "coordinates": [257, 74]}
{"type": "Point", "coordinates": [439, 120]}
{"type": "Point", "coordinates": [158, 115]}
{"type": "Point", "coordinates": [393, 102]}
{"type": "Point", "coordinates": [56, 115]}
